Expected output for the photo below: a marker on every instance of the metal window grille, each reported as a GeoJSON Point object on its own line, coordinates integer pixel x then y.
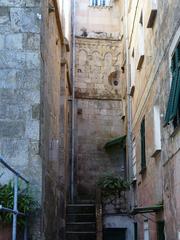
{"type": "Point", "coordinates": [99, 3]}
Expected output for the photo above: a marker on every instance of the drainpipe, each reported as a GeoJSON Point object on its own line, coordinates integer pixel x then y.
{"type": "Point", "coordinates": [129, 103]}
{"type": "Point", "coordinates": [73, 2]}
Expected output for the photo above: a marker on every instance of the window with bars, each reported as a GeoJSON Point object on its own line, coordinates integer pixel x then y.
{"type": "Point", "coordinates": [143, 146]}
{"type": "Point", "coordinates": [173, 106]}
{"type": "Point", "coordinates": [102, 3]}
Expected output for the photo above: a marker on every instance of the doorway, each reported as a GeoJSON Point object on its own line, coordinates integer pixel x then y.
{"type": "Point", "coordinates": [114, 234]}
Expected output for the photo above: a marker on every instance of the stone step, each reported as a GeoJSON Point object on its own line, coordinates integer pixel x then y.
{"type": "Point", "coordinates": [80, 208]}
{"type": "Point", "coordinates": [80, 235]}
{"type": "Point", "coordinates": [81, 226]}
{"type": "Point", "coordinates": [81, 217]}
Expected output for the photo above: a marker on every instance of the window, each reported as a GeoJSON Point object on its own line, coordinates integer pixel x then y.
{"type": "Point", "coordinates": [134, 159]}
{"type": "Point", "coordinates": [133, 74]}
{"type": "Point", "coordinates": [143, 146]}
{"type": "Point", "coordinates": [152, 12]}
{"type": "Point", "coordinates": [102, 3]}
{"type": "Point", "coordinates": [160, 230]}
{"type": "Point", "coordinates": [157, 131]}
{"type": "Point", "coordinates": [135, 231]}
{"type": "Point", "coordinates": [173, 106]}
{"type": "Point", "coordinates": [141, 42]}
{"type": "Point", "coordinates": [146, 230]}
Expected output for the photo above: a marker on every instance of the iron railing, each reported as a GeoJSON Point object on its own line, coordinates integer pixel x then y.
{"type": "Point", "coordinates": [15, 211]}
{"type": "Point", "coordinates": [99, 217]}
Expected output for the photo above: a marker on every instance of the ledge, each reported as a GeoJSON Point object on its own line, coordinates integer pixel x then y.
{"type": "Point", "coordinates": [143, 170]}
{"type": "Point", "coordinates": [114, 141]}
{"type": "Point", "coordinates": [156, 153]}
{"type": "Point", "coordinates": [149, 209]}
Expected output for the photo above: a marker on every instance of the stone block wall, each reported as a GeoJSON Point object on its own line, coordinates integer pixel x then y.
{"type": "Point", "coordinates": [20, 69]}
{"type": "Point", "coordinates": [98, 121]}
{"type": "Point", "coordinates": [54, 122]}
{"type": "Point", "coordinates": [99, 91]}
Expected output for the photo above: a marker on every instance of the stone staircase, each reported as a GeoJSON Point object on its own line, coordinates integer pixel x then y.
{"type": "Point", "coordinates": [81, 222]}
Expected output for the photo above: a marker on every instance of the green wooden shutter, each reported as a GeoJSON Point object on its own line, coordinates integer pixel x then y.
{"type": "Point", "coordinates": [173, 101]}
{"type": "Point", "coordinates": [135, 231]}
{"type": "Point", "coordinates": [160, 230]}
{"type": "Point", "coordinates": [176, 97]}
{"type": "Point", "coordinates": [143, 146]}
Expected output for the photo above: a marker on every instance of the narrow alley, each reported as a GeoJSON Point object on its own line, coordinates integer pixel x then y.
{"type": "Point", "coordinates": [89, 120]}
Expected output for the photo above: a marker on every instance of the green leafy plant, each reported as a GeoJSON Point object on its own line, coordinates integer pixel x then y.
{"type": "Point", "coordinates": [26, 203]}
{"type": "Point", "coordinates": [112, 186]}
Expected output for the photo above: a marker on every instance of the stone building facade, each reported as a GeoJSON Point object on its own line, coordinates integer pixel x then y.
{"type": "Point", "coordinates": [55, 118]}
{"type": "Point", "coordinates": [153, 35]}
{"type": "Point", "coordinates": [126, 66]}
{"type": "Point", "coordinates": [99, 93]}
{"type": "Point", "coordinates": [20, 75]}
{"type": "Point", "coordinates": [34, 104]}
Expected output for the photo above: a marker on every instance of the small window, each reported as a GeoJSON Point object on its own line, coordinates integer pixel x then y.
{"type": "Point", "coordinates": [133, 74]}
{"type": "Point", "coordinates": [173, 106]}
{"type": "Point", "coordinates": [134, 159]}
{"type": "Point", "coordinates": [143, 146]}
{"type": "Point", "coordinates": [101, 3]}
{"type": "Point", "coordinates": [156, 130]}
{"type": "Point", "coordinates": [140, 59]}
{"type": "Point", "coordinates": [160, 230]}
{"type": "Point", "coordinates": [146, 230]}
{"type": "Point", "coordinates": [135, 231]}
{"type": "Point", "coordinates": [152, 12]}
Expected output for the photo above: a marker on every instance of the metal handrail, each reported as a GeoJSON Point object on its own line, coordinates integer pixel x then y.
{"type": "Point", "coordinates": [15, 211]}
{"type": "Point", "coordinates": [99, 213]}
{"type": "Point", "coordinates": [12, 170]}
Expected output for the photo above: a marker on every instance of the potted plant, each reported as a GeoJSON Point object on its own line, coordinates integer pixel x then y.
{"type": "Point", "coordinates": [113, 190]}
{"type": "Point", "coordinates": [26, 204]}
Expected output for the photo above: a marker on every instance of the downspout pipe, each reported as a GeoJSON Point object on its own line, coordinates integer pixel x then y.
{"type": "Point", "coordinates": [129, 100]}
{"type": "Point", "coordinates": [72, 184]}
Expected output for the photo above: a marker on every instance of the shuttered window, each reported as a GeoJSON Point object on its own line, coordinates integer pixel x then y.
{"type": "Point", "coordinates": [160, 230]}
{"type": "Point", "coordinates": [173, 106]}
{"type": "Point", "coordinates": [143, 146]}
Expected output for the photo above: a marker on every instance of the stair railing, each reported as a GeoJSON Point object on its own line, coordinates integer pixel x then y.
{"type": "Point", "coordinates": [99, 216]}
{"type": "Point", "coordinates": [14, 211]}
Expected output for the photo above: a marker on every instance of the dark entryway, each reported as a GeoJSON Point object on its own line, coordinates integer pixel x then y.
{"type": "Point", "coordinates": [114, 234]}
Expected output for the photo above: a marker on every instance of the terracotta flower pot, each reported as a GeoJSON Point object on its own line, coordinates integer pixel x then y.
{"type": "Point", "coordinates": [5, 232]}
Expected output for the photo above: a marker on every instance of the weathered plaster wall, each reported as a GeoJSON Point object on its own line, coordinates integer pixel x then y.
{"type": "Point", "coordinates": [98, 69]}
{"type": "Point", "coordinates": [152, 85]}
{"type": "Point", "coordinates": [54, 123]}
{"type": "Point", "coordinates": [99, 111]}
{"type": "Point", "coordinates": [20, 92]}
{"type": "Point", "coordinates": [105, 20]}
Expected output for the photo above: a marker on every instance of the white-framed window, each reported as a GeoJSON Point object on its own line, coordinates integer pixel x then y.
{"type": "Point", "coordinates": [156, 130]}
{"type": "Point", "coordinates": [133, 73]}
{"type": "Point", "coordinates": [99, 3]}
{"type": "Point", "coordinates": [140, 53]}
{"type": "Point", "coordinates": [146, 230]}
{"type": "Point", "coordinates": [152, 12]}
{"type": "Point", "coordinates": [134, 168]}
